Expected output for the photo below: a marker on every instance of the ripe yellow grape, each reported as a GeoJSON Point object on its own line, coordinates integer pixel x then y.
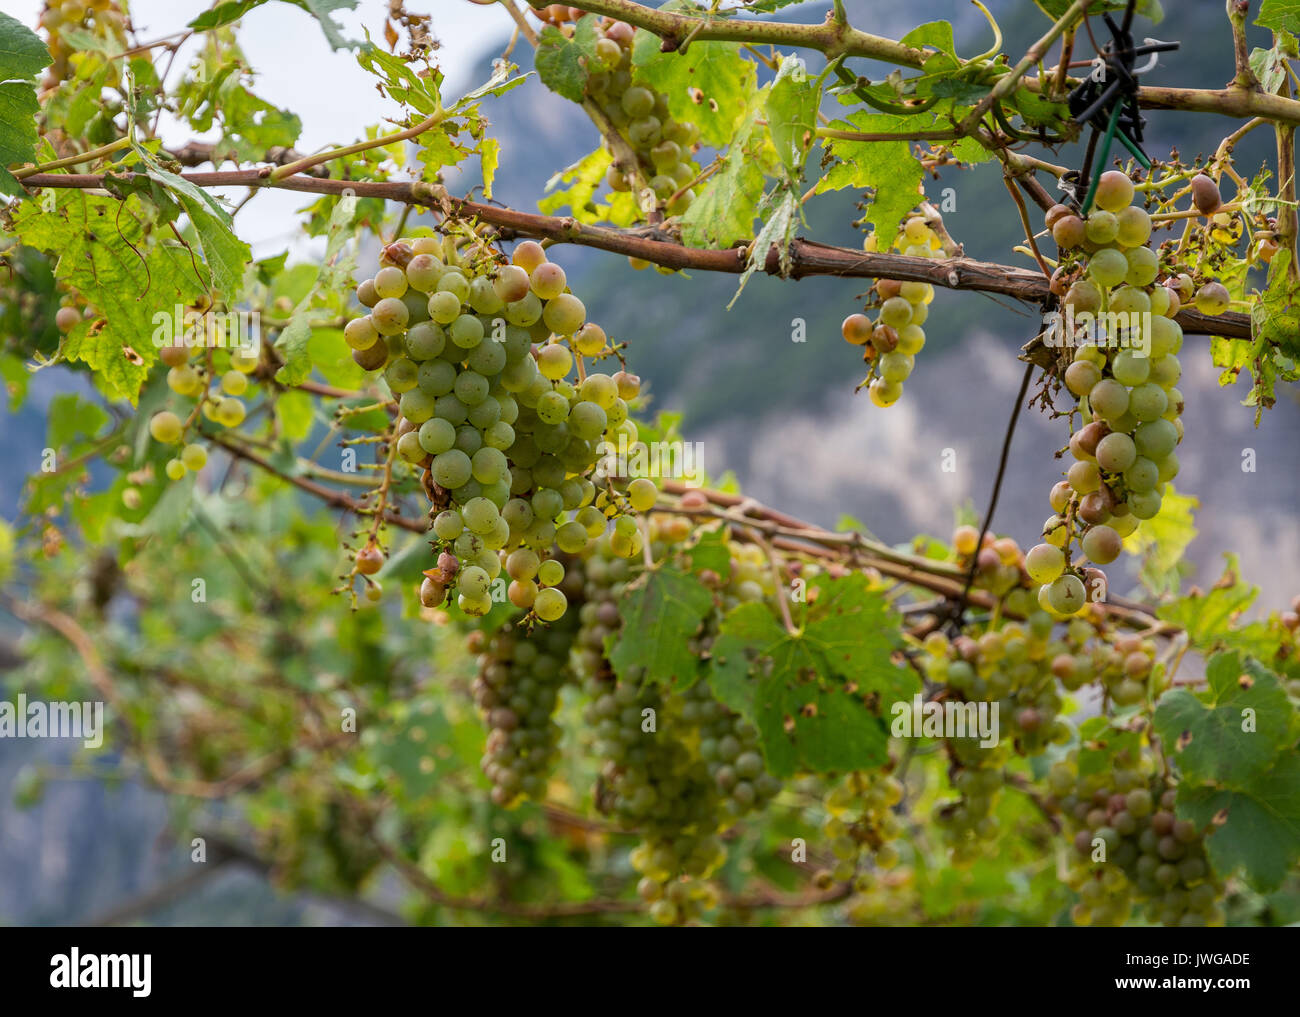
{"type": "Point", "coordinates": [194, 457]}
{"type": "Point", "coordinates": [165, 427]}
{"type": "Point", "coordinates": [234, 383]}
{"type": "Point", "coordinates": [643, 494]}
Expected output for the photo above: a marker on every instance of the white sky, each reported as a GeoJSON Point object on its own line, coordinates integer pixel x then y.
{"type": "Point", "coordinates": [296, 70]}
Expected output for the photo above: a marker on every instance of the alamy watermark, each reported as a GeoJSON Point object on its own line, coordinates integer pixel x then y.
{"type": "Point", "coordinates": [1130, 330]}
{"type": "Point", "coordinates": [950, 719]}
{"type": "Point", "coordinates": [677, 460]}
{"type": "Point", "coordinates": [53, 720]}
{"type": "Point", "coordinates": [75, 970]}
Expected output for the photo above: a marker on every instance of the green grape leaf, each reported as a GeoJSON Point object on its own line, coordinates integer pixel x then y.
{"type": "Point", "coordinates": [1257, 826]}
{"type": "Point", "coordinates": [1269, 65]}
{"type": "Point", "coordinates": [710, 84]}
{"type": "Point", "coordinates": [332, 357]}
{"type": "Point", "coordinates": [18, 109]}
{"type": "Point", "coordinates": [1232, 731]}
{"type": "Point", "coordinates": [562, 62]}
{"type": "Point", "coordinates": [1208, 617]}
{"type": "Point", "coordinates": [777, 231]}
{"type": "Point", "coordinates": [710, 551]}
{"type": "Point", "coordinates": [584, 177]}
{"type": "Point", "coordinates": [489, 155]}
{"type": "Point", "coordinates": [1162, 541]}
{"type": "Point", "coordinates": [225, 254]}
{"type": "Point", "coordinates": [73, 417]}
{"type": "Point", "coordinates": [661, 612]}
{"type": "Point", "coordinates": [816, 696]}
{"type": "Point", "coordinates": [22, 54]}
{"type": "Point", "coordinates": [401, 80]}
{"type": "Point", "coordinates": [934, 34]}
{"type": "Point", "coordinates": [957, 89]}
{"type": "Point", "coordinates": [1055, 9]}
{"type": "Point", "coordinates": [170, 513]}
{"type": "Point", "coordinates": [857, 633]}
{"type": "Point", "coordinates": [725, 210]}
{"type": "Point", "coordinates": [333, 278]}
{"type": "Point", "coordinates": [1038, 111]}
{"type": "Point", "coordinates": [14, 373]}
{"type": "Point", "coordinates": [1279, 15]}
{"type": "Point", "coordinates": [500, 82]}
{"type": "Point", "coordinates": [413, 749]}
{"type": "Point", "coordinates": [295, 413]}
{"type": "Point", "coordinates": [231, 11]}
{"type": "Point", "coordinates": [1101, 744]}
{"type": "Point", "coordinates": [770, 6]}
{"type": "Point", "coordinates": [106, 252]}
{"type": "Point", "coordinates": [1275, 315]}
{"type": "Point", "coordinates": [887, 167]}
{"type": "Point", "coordinates": [791, 110]}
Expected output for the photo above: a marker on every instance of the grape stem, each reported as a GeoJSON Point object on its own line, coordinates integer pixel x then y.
{"type": "Point", "coordinates": [1024, 221]}
{"type": "Point", "coordinates": [305, 163]}
{"type": "Point", "coordinates": [331, 497]}
{"type": "Point", "coordinates": [1007, 83]}
{"type": "Point", "coordinates": [805, 257]}
{"type": "Point", "coordinates": [997, 490]}
{"type": "Point", "coordinates": [74, 160]}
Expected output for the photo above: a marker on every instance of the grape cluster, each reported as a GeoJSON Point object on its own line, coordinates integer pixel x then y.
{"type": "Point", "coordinates": [1146, 854]}
{"type": "Point", "coordinates": [1124, 664]}
{"type": "Point", "coordinates": [1009, 666]}
{"type": "Point", "coordinates": [215, 380]}
{"type": "Point", "coordinates": [656, 784]}
{"type": "Point", "coordinates": [890, 344]}
{"type": "Point", "coordinates": [506, 441]}
{"type": "Point", "coordinates": [1124, 372]}
{"type": "Point", "coordinates": [557, 14]}
{"type": "Point", "coordinates": [969, 824]}
{"type": "Point", "coordinates": [694, 771]}
{"type": "Point", "coordinates": [520, 674]}
{"type": "Point", "coordinates": [650, 778]}
{"type": "Point", "coordinates": [999, 562]}
{"type": "Point", "coordinates": [862, 827]}
{"type": "Point", "coordinates": [663, 147]}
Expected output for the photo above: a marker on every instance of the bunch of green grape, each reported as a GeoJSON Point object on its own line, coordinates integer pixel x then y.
{"type": "Point", "coordinates": [968, 823]}
{"type": "Point", "coordinates": [998, 562]}
{"type": "Point", "coordinates": [890, 343]}
{"type": "Point", "coordinates": [663, 146]}
{"type": "Point", "coordinates": [214, 381]}
{"type": "Point", "coordinates": [862, 827]}
{"type": "Point", "coordinates": [654, 782]}
{"type": "Point", "coordinates": [1009, 666]}
{"type": "Point", "coordinates": [1124, 663]}
{"type": "Point", "coordinates": [729, 746]}
{"type": "Point", "coordinates": [692, 772]}
{"type": "Point", "coordinates": [508, 441]}
{"type": "Point", "coordinates": [520, 674]}
{"type": "Point", "coordinates": [1129, 846]}
{"type": "Point", "coordinates": [1124, 371]}
{"type": "Point", "coordinates": [1091, 649]}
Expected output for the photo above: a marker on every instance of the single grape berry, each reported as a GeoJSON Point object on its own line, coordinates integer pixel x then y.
{"type": "Point", "coordinates": [856, 329]}
{"type": "Point", "coordinates": [369, 560]}
{"type": "Point", "coordinates": [165, 427]}
{"type": "Point", "coordinates": [1205, 194]}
